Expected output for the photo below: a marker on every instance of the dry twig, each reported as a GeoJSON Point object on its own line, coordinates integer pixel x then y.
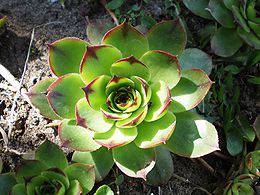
{"type": "Point", "coordinates": [18, 92]}
{"type": "Point", "coordinates": [112, 14]}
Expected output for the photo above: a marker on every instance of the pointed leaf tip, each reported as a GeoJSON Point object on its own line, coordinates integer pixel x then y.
{"type": "Point", "coordinates": [127, 39]}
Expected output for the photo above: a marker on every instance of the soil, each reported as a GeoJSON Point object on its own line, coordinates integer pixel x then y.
{"type": "Point", "coordinates": [30, 129]}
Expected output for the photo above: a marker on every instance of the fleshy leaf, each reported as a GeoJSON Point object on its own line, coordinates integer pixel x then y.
{"type": "Point", "coordinates": [76, 137]}
{"type": "Point", "coordinates": [249, 38]}
{"type": "Point", "coordinates": [193, 136]}
{"type": "Point", "coordinates": [113, 115]}
{"type": "Point", "coordinates": [234, 141]}
{"type": "Point", "coordinates": [144, 89]}
{"type": "Point", "coordinates": [190, 91]}
{"type": "Point", "coordinates": [97, 28]}
{"type": "Point", "coordinates": [84, 173]}
{"type": "Point", "coordinates": [163, 67]}
{"type": "Point", "coordinates": [222, 14]}
{"type": "Point", "coordinates": [65, 55]}
{"type": "Point", "coordinates": [134, 161]}
{"type": "Point", "coordinates": [198, 7]}
{"type": "Point", "coordinates": [130, 66]}
{"type": "Point", "coordinates": [225, 42]}
{"type": "Point", "coordinates": [118, 82]}
{"type": "Point", "coordinates": [51, 155]}
{"type": "Point", "coordinates": [116, 137]}
{"type": "Point", "coordinates": [135, 119]}
{"type": "Point", "coordinates": [57, 175]}
{"type": "Point", "coordinates": [152, 134]}
{"type": "Point", "coordinates": [18, 189]}
{"type": "Point", "coordinates": [169, 36]}
{"type": "Point", "coordinates": [159, 102]}
{"type": "Point", "coordinates": [127, 39]}
{"type": "Point", "coordinates": [37, 95]}
{"type": "Point", "coordinates": [29, 168]}
{"type": "Point", "coordinates": [163, 169]}
{"type": "Point", "coordinates": [252, 162]}
{"type": "Point", "coordinates": [96, 158]}
{"type": "Point", "coordinates": [7, 181]}
{"type": "Point", "coordinates": [104, 190]}
{"type": "Point", "coordinates": [240, 19]}
{"type": "Point", "coordinates": [97, 61]}
{"type": "Point", "coordinates": [95, 91]}
{"type": "Point", "coordinates": [91, 119]}
{"type": "Point", "coordinates": [64, 93]}
{"type": "Point", "coordinates": [75, 188]}
{"type": "Point", "coordinates": [196, 58]}
{"type": "Point", "coordinates": [230, 3]}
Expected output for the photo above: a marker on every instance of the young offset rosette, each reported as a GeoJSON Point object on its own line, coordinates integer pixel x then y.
{"type": "Point", "coordinates": [126, 94]}
{"type": "Point", "coordinates": [49, 173]}
{"type": "Point", "coordinates": [239, 22]}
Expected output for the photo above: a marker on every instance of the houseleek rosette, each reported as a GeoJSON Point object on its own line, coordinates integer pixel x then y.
{"type": "Point", "coordinates": [126, 94]}
{"type": "Point", "coordinates": [239, 20]}
{"type": "Point", "coordinates": [49, 173]}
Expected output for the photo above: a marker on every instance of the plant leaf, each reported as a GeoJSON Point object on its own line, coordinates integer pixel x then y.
{"type": "Point", "coordinates": [135, 119]}
{"type": "Point", "coordinates": [51, 155]}
{"type": "Point", "coordinates": [116, 137]}
{"type": "Point", "coordinates": [65, 55]}
{"type": "Point", "coordinates": [84, 173]}
{"type": "Point", "coordinates": [249, 38]}
{"type": "Point", "coordinates": [163, 169]}
{"type": "Point", "coordinates": [75, 188]}
{"type": "Point", "coordinates": [198, 7]}
{"type": "Point", "coordinates": [254, 80]}
{"type": "Point", "coordinates": [169, 36]}
{"type": "Point", "coordinates": [3, 21]}
{"type": "Point", "coordinates": [190, 91]}
{"type": "Point", "coordinates": [134, 161]}
{"type": "Point", "coordinates": [225, 42]}
{"type": "Point", "coordinates": [221, 13]}
{"type": "Point", "coordinates": [7, 181]}
{"type": "Point", "coordinates": [127, 39]}
{"type": "Point", "coordinates": [152, 134]}
{"type": "Point", "coordinates": [37, 95]}
{"type": "Point", "coordinates": [104, 190]}
{"type": "Point", "coordinates": [91, 119]}
{"type": "Point", "coordinates": [193, 136]}
{"type": "Point", "coordinates": [29, 168]}
{"type": "Point", "coordinates": [159, 102]}
{"type": "Point", "coordinates": [97, 61]}
{"type": "Point", "coordinates": [143, 88]}
{"type": "Point", "coordinates": [196, 58]}
{"type": "Point", "coordinates": [95, 91]}
{"type": "Point", "coordinates": [60, 94]}
{"type": "Point", "coordinates": [163, 67]}
{"type": "Point", "coordinates": [256, 127]}
{"type": "Point", "coordinates": [115, 4]}
{"type": "Point", "coordinates": [130, 66]}
{"type": "Point", "coordinates": [18, 189]}
{"type": "Point", "coordinates": [96, 158]}
{"type": "Point", "coordinates": [56, 174]}
{"type": "Point", "coordinates": [234, 142]}
{"type": "Point", "coordinates": [76, 137]}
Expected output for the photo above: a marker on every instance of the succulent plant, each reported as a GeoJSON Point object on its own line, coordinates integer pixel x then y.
{"type": "Point", "coordinates": [49, 173]}
{"type": "Point", "coordinates": [239, 22]}
{"type": "Point", "coordinates": [242, 184]}
{"type": "Point", "coordinates": [127, 94]}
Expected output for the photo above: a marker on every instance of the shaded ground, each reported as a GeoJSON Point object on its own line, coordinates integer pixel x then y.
{"type": "Point", "coordinates": [52, 22]}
